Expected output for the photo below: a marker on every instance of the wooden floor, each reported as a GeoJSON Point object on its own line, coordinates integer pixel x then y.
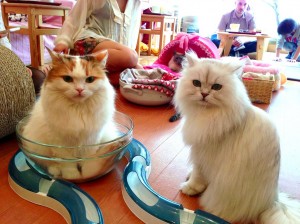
{"type": "Point", "coordinates": [169, 162]}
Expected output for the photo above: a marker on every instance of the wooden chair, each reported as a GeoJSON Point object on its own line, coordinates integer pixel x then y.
{"type": "Point", "coordinates": [35, 27]}
{"type": "Point", "coordinates": [161, 25]}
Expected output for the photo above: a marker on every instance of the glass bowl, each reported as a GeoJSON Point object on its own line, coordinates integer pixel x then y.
{"type": "Point", "coordinates": [77, 164]}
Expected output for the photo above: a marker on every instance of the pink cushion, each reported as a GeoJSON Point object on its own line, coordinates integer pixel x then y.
{"type": "Point", "coordinates": [261, 69]}
{"type": "Point", "coordinates": [259, 66]}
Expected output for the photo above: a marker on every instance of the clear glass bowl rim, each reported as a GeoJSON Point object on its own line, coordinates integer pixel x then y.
{"type": "Point", "coordinates": [117, 113]}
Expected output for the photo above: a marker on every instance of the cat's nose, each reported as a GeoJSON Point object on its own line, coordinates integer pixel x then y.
{"type": "Point", "coordinates": [204, 95]}
{"type": "Point", "coordinates": [79, 90]}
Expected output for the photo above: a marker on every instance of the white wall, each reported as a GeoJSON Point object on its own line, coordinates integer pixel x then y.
{"type": "Point", "coordinates": [209, 13]}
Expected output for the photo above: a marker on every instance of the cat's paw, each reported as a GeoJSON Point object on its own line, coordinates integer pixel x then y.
{"type": "Point", "coordinates": [54, 171]}
{"type": "Point", "coordinates": [70, 173]}
{"type": "Point", "coordinates": [189, 189]}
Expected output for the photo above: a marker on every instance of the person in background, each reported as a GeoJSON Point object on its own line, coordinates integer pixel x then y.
{"type": "Point", "coordinates": [97, 25]}
{"type": "Point", "coordinates": [240, 15]}
{"type": "Point", "coordinates": [289, 39]}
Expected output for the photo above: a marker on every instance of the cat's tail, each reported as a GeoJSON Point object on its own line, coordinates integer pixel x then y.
{"type": "Point", "coordinates": [284, 211]}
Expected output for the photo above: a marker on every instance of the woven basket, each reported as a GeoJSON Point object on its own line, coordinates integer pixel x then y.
{"type": "Point", "coordinates": [16, 91]}
{"type": "Point", "coordinates": [259, 91]}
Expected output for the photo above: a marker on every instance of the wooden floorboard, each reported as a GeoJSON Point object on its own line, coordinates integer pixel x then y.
{"type": "Point", "coordinates": [169, 162]}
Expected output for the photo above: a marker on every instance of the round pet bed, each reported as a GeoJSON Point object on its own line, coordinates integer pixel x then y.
{"type": "Point", "coordinates": [152, 95]}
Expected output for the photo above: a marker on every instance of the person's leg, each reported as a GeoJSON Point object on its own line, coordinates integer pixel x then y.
{"type": "Point", "coordinates": [291, 48]}
{"type": "Point", "coordinates": [120, 57]}
{"type": "Point", "coordinates": [216, 42]}
{"type": "Point", "coordinates": [249, 48]}
{"type": "Point", "coordinates": [38, 78]}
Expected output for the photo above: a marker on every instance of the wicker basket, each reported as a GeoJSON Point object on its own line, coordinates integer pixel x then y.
{"type": "Point", "coordinates": [259, 91]}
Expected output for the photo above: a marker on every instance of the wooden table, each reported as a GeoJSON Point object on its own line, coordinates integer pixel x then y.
{"type": "Point", "coordinates": [169, 157]}
{"type": "Point", "coordinates": [161, 25]}
{"type": "Point", "coordinates": [227, 38]}
{"type": "Point", "coordinates": [35, 27]}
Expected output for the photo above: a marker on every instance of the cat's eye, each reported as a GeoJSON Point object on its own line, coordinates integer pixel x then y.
{"type": "Point", "coordinates": [67, 78]}
{"type": "Point", "coordinates": [90, 79]}
{"type": "Point", "coordinates": [216, 86]}
{"type": "Point", "coordinates": [196, 83]}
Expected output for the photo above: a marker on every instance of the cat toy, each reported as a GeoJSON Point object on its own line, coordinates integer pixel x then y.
{"type": "Point", "coordinates": [77, 207]}
{"type": "Point", "coordinates": [147, 204]}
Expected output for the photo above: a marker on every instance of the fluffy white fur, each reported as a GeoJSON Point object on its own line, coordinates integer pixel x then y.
{"type": "Point", "coordinates": [73, 113]}
{"type": "Point", "coordinates": [235, 148]}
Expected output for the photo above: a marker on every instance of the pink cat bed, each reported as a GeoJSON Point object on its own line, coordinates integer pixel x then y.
{"type": "Point", "coordinates": [183, 42]}
{"type": "Point", "coordinates": [151, 90]}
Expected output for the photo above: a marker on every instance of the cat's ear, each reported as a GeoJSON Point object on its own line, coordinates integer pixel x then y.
{"type": "Point", "coordinates": [54, 56]}
{"type": "Point", "coordinates": [237, 68]}
{"type": "Point", "coordinates": [101, 56]}
{"type": "Point", "coordinates": [235, 64]}
{"type": "Point", "coordinates": [191, 58]}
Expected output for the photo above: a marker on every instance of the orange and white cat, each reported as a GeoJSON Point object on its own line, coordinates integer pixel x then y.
{"type": "Point", "coordinates": [235, 147]}
{"type": "Point", "coordinates": [75, 108]}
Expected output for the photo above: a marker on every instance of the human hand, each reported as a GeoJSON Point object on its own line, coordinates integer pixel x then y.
{"type": "Point", "coordinates": [237, 42]}
{"type": "Point", "coordinates": [61, 48]}
{"type": "Point", "coordinates": [277, 59]}
{"type": "Point", "coordinates": [3, 33]}
{"type": "Point", "coordinates": [291, 60]}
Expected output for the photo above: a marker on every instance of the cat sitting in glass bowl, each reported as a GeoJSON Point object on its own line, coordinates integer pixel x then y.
{"type": "Point", "coordinates": [72, 117]}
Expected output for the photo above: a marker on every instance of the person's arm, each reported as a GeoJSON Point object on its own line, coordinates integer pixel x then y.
{"type": "Point", "coordinates": [222, 24]}
{"type": "Point", "coordinates": [251, 24]}
{"type": "Point", "coordinates": [73, 24]}
{"type": "Point", "coordinates": [296, 55]}
{"type": "Point", "coordinates": [3, 33]}
{"type": "Point", "coordinates": [279, 45]}
{"type": "Point", "coordinates": [278, 52]}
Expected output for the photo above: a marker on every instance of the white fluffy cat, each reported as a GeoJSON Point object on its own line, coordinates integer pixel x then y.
{"type": "Point", "coordinates": [75, 108]}
{"type": "Point", "coordinates": [235, 148]}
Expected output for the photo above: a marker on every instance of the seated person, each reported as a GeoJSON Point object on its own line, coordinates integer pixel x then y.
{"type": "Point", "coordinates": [289, 39]}
{"type": "Point", "coordinates": [97, 25]}
{"type": "Point", "coordinates": [240, 15]}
